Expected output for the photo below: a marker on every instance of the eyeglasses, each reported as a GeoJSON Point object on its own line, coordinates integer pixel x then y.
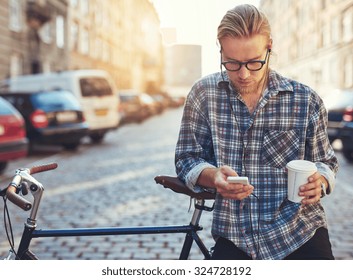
{"type": "Point", "coordinates": [251, 65]}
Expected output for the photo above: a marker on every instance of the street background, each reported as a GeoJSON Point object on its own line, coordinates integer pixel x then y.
{"type": "Point", "coordinates": [112, 184]}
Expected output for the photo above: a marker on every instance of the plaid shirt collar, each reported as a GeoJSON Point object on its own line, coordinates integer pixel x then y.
{"type": "Point", "coordinates": [275, 84]}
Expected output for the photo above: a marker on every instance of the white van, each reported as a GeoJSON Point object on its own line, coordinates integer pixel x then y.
{"type": "Point", "coordinates": [94, 89]}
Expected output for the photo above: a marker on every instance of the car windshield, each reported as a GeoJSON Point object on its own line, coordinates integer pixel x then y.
{"type": "Point", "coordinates": [129, 98]}
{"type": "Point", "coordinates": [95, 87]}
{"type": "Point", "coordinates": [55, 100]}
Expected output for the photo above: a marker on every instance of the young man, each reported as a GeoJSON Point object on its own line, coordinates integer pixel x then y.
{"type": "Point", "coordinates": [250, 121]}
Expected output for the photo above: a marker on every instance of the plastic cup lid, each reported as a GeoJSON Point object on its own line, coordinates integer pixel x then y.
{"type": "Point", "coordinates": [301, 165]}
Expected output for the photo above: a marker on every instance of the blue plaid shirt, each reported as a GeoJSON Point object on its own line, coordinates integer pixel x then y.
{"type": "Point", "coordinates": [289, 123]}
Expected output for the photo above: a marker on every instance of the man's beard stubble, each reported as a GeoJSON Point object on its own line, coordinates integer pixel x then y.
{"type": "Point", "coordinates": [253, 88]}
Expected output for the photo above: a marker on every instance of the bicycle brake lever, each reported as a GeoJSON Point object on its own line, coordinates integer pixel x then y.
{"type": "Point", "coordinates": [24, 188]}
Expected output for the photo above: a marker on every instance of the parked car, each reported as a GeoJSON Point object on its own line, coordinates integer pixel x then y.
{"type": "Point", "coordinates": [177, 101]}
{"type": "Point", "coordinates": [134, 106]}
{"type": "Point", "coordinates": [152, 104]}
{"type": "Point", "coordinates": [339, 104]}
{"type": "Point", "coordinates": [13, 141]}
{"type": "Point", "coordinates": [93, 88]}
{"type": "Point", "coordinates": [161, 102]}
{"type": "Point", "coordinates": [52, 117]}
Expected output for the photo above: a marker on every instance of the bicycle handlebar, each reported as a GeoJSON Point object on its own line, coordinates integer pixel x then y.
{"type": "Point", "coordinates": [42, 168]}
{"type": "Point", "coordinates": [17, 199]}
{"type": "Point", "coordinates": [12, 189]}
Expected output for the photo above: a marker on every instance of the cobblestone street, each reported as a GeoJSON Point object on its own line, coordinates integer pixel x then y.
{"type": "Point", "coordinates": [112, 185]}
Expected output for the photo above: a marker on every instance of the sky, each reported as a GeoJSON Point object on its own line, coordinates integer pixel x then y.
{"type": "Point", "coordinates": [196, 22]}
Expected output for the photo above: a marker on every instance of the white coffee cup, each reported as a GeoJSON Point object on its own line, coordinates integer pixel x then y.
{"type": "Point", "coordinates": [298, 173]}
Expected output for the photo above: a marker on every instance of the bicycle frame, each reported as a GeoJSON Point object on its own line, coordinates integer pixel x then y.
{"type": "Point", "coordinates": [191, 230]}
{"type": "Point", "coordinates": [25, 183]}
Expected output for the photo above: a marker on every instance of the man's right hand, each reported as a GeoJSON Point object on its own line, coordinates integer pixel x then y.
{"type": "Point", "coordinates": [217, 178]}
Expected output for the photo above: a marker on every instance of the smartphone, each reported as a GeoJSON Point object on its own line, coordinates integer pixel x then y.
{"type": "Point", "coordinates": [238, 180]}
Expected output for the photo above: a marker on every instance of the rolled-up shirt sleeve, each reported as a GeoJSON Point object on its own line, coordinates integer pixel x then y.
{"type": "Point", "coordinates": [330, 176]}
{"type": "Point", "coordinates": [194, 149]}
{"type": "Point", "coordinates": [319, 149]}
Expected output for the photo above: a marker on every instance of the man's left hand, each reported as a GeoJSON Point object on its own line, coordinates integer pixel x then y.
{"type": "Point", "coordinates": [312, 190]}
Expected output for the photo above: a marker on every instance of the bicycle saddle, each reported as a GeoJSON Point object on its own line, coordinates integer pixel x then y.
{"type": "Point", "coordinates": [176, 185]}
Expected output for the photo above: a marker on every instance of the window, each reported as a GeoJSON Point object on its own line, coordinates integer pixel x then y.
{"type": "Point", "coordinates": [74, 3]}
{"type": "Point", "coordinates": [98, 53]}
{"type": "Point", "coordinates": [348, 71]}
{"type": "Point", "coordinates": [95, 87]}
{"type": "Point", "coordinates": [334, 73]}
{"type": "Point", "coordinates": [15, 17]}
{"type": "Point", "coordinates": [45, 33]}
{"type": "Point", "coordinates": [335, 31]}
{"type": "Point", "coordinates": [50, 100]}
{"type": "Point", "coordinates": [323, 4]}
{"type": "Point", "coordinates": [84, 7]}
{"type": "Point", "coordinates": [106, 54]}
{"type": "Point", "coordinates": [60, 41]}
{"type": "Point", "coordinates": [15, 65]}
{"type": "Point", "coordinates": [98, 16]}
{"type": "Point", "coordinates": [347, 25]}
{"type": "Point", "coordinates": [325, 35]}
{"type": "Point", "coordinates": [74, 36]}
{"type": "Point", "coordinates": [84, 41]}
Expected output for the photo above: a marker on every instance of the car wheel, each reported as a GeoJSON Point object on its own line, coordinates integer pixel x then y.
{"type": "Point", "coordinates": [71, 146]}
{"type": "Point", "coordinates": [348, 155]}
{"type": "Point", "coordinates": [347, 150]}
{"type": "Point", "coordinates": [97, 137]}
{"type": "Point", "coordinates": [3, 166]}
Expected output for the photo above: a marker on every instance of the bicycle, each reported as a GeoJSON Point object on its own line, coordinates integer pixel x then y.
{"type": "Point", "coordinates": [23, 184]}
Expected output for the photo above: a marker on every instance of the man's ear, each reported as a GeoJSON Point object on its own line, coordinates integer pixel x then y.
{"type": "Point", "coordinates": [269, 46]}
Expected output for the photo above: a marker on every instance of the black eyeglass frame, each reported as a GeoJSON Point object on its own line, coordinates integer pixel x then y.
{"type": "Point", "coordinates": [240, 64]}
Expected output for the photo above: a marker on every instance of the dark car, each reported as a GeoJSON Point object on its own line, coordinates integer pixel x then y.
{"type": "Point", "coordinates": [13, 141]}
{"type": "Point", "coordinates": [52, 117]}
{"type": "Point", "coordinates": [133, 107]}
{"type": "Point", "coordinates": [339, 104]}
{"type": "Point", "coordinates": [161, 102]}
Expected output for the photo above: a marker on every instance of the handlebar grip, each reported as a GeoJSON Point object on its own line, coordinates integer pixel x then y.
{"type": "Point", "coordinates": [41, 168]}
{"type": "Point", "coordinates": [16, 199]}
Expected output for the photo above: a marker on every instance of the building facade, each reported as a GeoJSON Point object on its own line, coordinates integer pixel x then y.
{"type": "Point", "coordinates": [28, 42]}
{"type": "Point", "coordinates": [182, 65]}
{"type": "Point", "coordinates": [119, 36]}
{"type": "Point", "coordinates": [313, 41]}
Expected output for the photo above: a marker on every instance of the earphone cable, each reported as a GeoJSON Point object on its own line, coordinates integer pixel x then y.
{"type": "Point", "coordinates": [256, 244]}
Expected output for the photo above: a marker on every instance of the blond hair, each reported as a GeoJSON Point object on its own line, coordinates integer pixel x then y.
{"type": "Point", "coordinates": [244, 21]}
